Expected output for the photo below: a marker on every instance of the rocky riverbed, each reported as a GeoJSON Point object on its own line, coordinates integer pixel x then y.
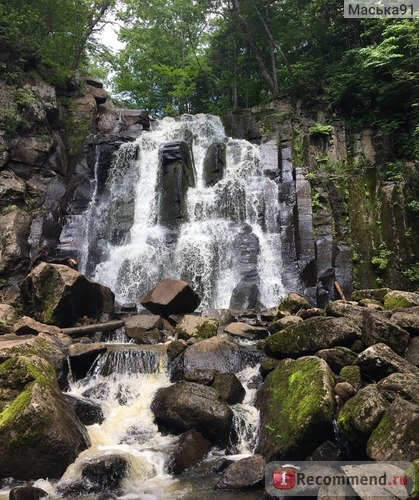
{"type": "Point", "coordinates": [339, 382]}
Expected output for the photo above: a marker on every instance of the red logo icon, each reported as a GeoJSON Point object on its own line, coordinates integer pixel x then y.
{"type": "Point", "coordinates": [283, 478]}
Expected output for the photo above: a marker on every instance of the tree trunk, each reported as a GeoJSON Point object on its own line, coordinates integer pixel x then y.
{"type": "Point", "coordinates": [79, 331]}
{"type": "Point", "coordinates": [253, 46]}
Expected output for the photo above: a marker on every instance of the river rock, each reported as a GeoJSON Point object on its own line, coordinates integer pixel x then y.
{"type": "Point", "coordinates": [14, 247]}
{"type": "Point", "coordinates": [397, 298]}
{"type": "Point", "coordinates": [216, 353]}
{"type": "Point", "coordinates": [136, 326]}
{"type": "Point", "coordinates": [60, 295]}
{"type": "Point", "coordinates": [88, 412]}
{"type": "Point", "coordinates": [360, 415]}
{"type": "Point", "coordinates": [228, 387]}
{"type": "Point", "coordinates": [28, 326]}
{"type": "Point", "coordinates": [175, 348]}
{"type": "Point", "coordinates": [377, 329]}
{"type": "Point", "coordinates": [337, 357]}
{"type": "Point", "coordinates": [344, 390]}
{"type": "Point", "coordinates": [192, 326]}
{"type": "Point", "coordinates": [240, 329]}
{"type": "Point", "coordinates": [310, 336]}
{"type": "Point", "coordinates": [396, 436]}
{"type": "Point", "coordinates": [171, 297]}
{"type": "Point", "coordinates": [405, 385]}
{"type": "Point", "coordinates": [345, 309]}
{"type": "Point", "coordinates": [412, 351]}
{"type": "Point", "coordinates": [82, 357]}
{"type": "Point", "coordinates": [27, 493]}
{"type": "Point", "coordinates": [293, 303]}
{"type": "Point", "coordinates": [352, 375]}
{"type": "Point", "coordinates": [192, 447]}
{"type": "Point", "coordinates": [379, 361]}
{"type": "Point", "coordinates": [408, 320]}
{"type": "Point", "coordinates": [243, 474]}
{"type": "Point", "coordinates": [39, 432]}
{"type": "Point", "coordinates": [296, 408]}
{"type": "Point", "coordinates": [186, 405]}
{"type": "Point", "coordinates": [282, 323]}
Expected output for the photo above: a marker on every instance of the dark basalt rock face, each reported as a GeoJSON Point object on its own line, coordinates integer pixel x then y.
{"type": "Point", "coordinates": [176, 176]}
{"type": "Point", "coordinates": [214, 164]}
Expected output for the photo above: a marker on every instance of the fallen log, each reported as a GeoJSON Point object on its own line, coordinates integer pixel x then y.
{"type": "Point", "coordinates": [79, 331]}
{"type": "Point", "coordinates": [340, 291]}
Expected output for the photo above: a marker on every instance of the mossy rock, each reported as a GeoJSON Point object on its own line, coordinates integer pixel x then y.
{"type": "Point", "coordinates": [396, 436]}
{"type": "Point", "coordinates": [371, 293]}
{"type": "Point", "coordinates": [352, 375]}
{"type": "Point", "coordinates": [267, 365]}
{"type": "Point", "coordinates": [310, 336]}
{"type": "Point", "coordinates": [398, 299]}
{"type": "Point", "coordinates": [229, 387]}
{"type": "Point", "coordinates": [360, 415]}
{"type": "Point", "coordinates": [296, 408]}
{"type": "Point", "coordinates": [293, 303]}
{"type": "Point", "coordinates": [39, 432]}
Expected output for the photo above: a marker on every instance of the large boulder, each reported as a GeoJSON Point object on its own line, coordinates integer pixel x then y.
{"type": "Point", "coordinates": [293, 303]}
{"type": "Point", "coordinates": [12, 189]}
{"type": "Point", "coordinates": [88, 412]}
{"type": "Point", "coordinates": [379, 361]}
{"type": "Point", "coordinates": [396, 436]}
{"type": "Point", "coordinates": [405, 385]}
{"type": "Point", "coordinates": [370, 293]}
{"type": "Point", "coordinates": [244, 330]}
{"type": "Point", "coordinates": [8, 316]}
{"type": "Point", "coordinates": [216, 353]}
{"type": "Point", "coordinates": [14, 247]}
{"type": "Point", "coordinates": [192, 447]}
{"type": "Point", "coordinates": [186, 405]}
{"type": "Point", "coordinates": [360, 415]}
{"type": "Point", "coordinates": [32, 150]}
{"type": "Point", "coordinates": [296, 408]}
{"type": "Point", "coordinates": [214, 163]}
{"type": "Point", "coordinates": [243, 474]}
{"type": "Point", "coordinates": [191, 325]}
{"type": "Point", "coordinates": [60, 295]}
{"type": "Point", "coordinates": [407, 319]}
{"type": "Point", "coordinates": [136, 326]}
{"type": "Point", "coordinates": [171, 297]}
{"type": "Point", "coordinates": [337, 357]}
{"type": "Point", "coordinates": [341, 308]}
{"type": "Point", "coordinates": [28, 326]}
{"type": "Point", "coordinates": [228, 387]}
{"type": "Point", "coordinates": [377, 329]}
{"type": "Point", "coordinates": [27, 493]}
{"type": "Point", "coordinates": [310, 336]}
{"type": "Point", "coordinates": [397, 298]}
{"type": "Point", "coordinates": [39, 432]}
{"type": "Point", "coordinates": [412, 351]}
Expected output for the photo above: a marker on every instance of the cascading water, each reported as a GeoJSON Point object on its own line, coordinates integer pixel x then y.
{"type": "Point", "coordinates": [227, 240]}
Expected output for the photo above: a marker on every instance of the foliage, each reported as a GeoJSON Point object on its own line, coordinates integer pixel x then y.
{"type": "Point", "coordinates": [320, 130]}
{"type": "Point", "coordinates": [412, 274]}
{"type": "Point", "coordinates": [380, 261]}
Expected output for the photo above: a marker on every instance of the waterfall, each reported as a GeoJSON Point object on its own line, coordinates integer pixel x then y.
{"type": "Point", "coordinates": [222, 235]}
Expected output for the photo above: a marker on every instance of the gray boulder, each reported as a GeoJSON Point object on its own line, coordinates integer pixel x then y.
{"type": "Point", "coordinates": [14, 247]}
{"type": "Point", "coordinates": [377, 329]}
{"type": "Point", "coordinates": [243, 474]}
{"type": "Point", "coordinates": [192, 447]}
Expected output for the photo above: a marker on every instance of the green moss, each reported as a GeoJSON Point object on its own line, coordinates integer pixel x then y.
{"type": "Point", "coordinates": [372, 293]}
{"type": "Point", "coordinates": [395, 301]}
{"type": "Point", "coordinates": [382, 432]}
{"type": "Point", "coordinates": [352, 375]}
{"type": "Point", "coordinates": [206, 330]}
{"type": "Point", "coordinates": [297, 397]}
{"type": "Point", "coordinates": [299, 149]}
{"type": "Point", "coordinates": [320, 129]}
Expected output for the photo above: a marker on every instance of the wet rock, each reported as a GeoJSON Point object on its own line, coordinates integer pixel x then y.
{"type": "Point", "coordinates": [39, 432]}
{"type": "Point", "coordinates": [209, 467]}
{"type": "Point", "coordinates": [214, 164]}
{"type": "Point", "coordinates": [360, 415]}
{"type": "Point", "coordinates": [310, 336]}
{"type": "Point", "coordinates": [193, 326]}
{"type": "Point", "coordinates": [27, 493]}
{"type": "Point", "coordinates": [228, 387]}
{"type": "Point", "coordinates": [405, 385]}
{"type": "Point", "coordinates": [243, 474]}
{"type": "Point", "coordinates": [379, 361]}
{"type": "Point", "coordinates": [14, 247]}
{"type": "Point", "coordinates": [28, 326]}
{"type": "Point", "coordinates": [82, 357]}
{"type": "Point", "coordinates": [171, 297]}
{"type": "Point", "coordinates": [88, 412]}
{"type": "Point", "coordinates": [205, 377]}
{"type": "Point", "coordinates": [377, 329]}
{"type": "Point", "coordinates": [60, 295]}
{"type": "Point", "coordinates": [216, 353]}
{"type": "Point", "coordinates": [372, 294]}
{"type": "Point", "coordinates": [12, 189]}
{"type": "Point", "coordinates": [282, 323]}
{"type": "Point", "coordinates": [223, 316]}
{"type": "Point", "coordinates": [192, 447]}
{"type": "Point", "coordinates": [337, 357]}
{"type": "Point", "coordinates": [136, 326]}
{"type": "Point", "coordinates": [412, 351]}
{"type": "Point", "coordinates": [397, 298]}
{"type": "Point", "coordinates": [352, 375]}
{"type": "Point", "coordinates": [296, 408]}
{"type": "Point", "coordinates": [326, 452]}
{"type": "Point", "coordinates": [268, 365]}
{"type": "Point", "coordinates": [239, 329]}
{"type": "Point", "coordinates": [175, 348]}
{"type": "Point", "coordinates": [175, 177]}
{"type": "Point", "coordinates": [395, 437]}
{"type": "Point", "coordinates": [344, 390]}
{"type": "Point", "coordinates": [186, 405]}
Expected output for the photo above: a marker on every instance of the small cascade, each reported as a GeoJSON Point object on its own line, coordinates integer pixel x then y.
{"type": "Point", "coordinates": [185, 201]}
{"type": "Point", "coordinates": [246, 416]}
